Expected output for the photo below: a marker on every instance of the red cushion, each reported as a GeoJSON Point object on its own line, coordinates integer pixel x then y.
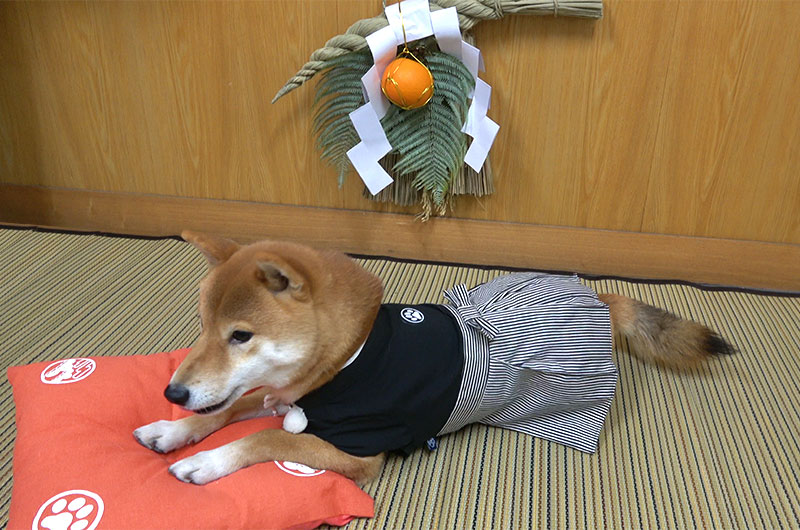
{"type": "Point", "coordinates": [76, 458]}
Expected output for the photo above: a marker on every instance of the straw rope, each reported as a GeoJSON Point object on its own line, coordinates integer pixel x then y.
{"type": "Point", "coordinates": [470, 12]}
{"type": "Point", "coordinates": [712, 448]}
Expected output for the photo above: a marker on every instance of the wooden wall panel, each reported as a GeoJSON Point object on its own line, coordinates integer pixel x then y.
{"type": "Point", "coordinates": [665, 116]}
{"type": "Point", "coordinates": [728, 150]}
{"type": "Point", "coordinates": [605, 252]}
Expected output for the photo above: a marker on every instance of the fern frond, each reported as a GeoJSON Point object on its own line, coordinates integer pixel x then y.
{"type": "Point", "coordinates": [333, 132]}
{"type": "Point", "coordinates": [337, 108]}
{"type": "Point", "coordinates": [429, 139]}
{"type": "Point", "coordinates": [338, 94]}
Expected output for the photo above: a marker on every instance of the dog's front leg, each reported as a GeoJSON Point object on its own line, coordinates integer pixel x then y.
{"type": "Point", "coordinates": [164, 436]}
{"type": "Point", "coordinates": [275, 444]}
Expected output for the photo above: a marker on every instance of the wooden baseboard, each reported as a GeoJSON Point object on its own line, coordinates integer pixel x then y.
{"type": "Point", "coordinates": [635, 255]}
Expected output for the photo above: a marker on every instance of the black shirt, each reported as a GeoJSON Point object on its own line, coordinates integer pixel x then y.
{"type": "Point", "coordinates": [399, 391]}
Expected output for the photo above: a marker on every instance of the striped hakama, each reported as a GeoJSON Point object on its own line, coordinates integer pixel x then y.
{"type": "Point", "coordinates": [537, 358]}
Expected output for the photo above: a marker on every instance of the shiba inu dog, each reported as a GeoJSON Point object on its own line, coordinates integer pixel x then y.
{"type": "Point", "coordinates": [297, 324]}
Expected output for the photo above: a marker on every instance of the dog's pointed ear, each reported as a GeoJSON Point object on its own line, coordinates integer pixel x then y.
{"type": "Point", "coordinates": [216, 249]}
{"type": "Point", "coordinates": [279, 276]}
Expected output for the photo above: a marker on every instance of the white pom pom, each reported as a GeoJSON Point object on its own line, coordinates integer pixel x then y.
{"type": "Point", "coordinates": [295, 420]}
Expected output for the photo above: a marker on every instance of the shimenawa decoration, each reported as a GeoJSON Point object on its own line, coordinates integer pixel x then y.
{"type": "Point", "coordinates": [418, 151]}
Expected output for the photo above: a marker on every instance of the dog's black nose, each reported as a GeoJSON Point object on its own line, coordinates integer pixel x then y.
{"type": "Point", "coordinates": [177, 394]}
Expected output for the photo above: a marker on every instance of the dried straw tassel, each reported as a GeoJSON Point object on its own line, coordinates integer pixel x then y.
{"type": "Point", "coordinates": [470, 182]}
{"type": "Point", "coordinates": [402, 192]}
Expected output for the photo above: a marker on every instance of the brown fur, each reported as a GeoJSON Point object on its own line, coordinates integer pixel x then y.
{"type": "Point", "coordinates": [277, 444]}
{"type": "Point", "coordinates": [283, 291]}
{"type": "Point", "coordinates": [660, 337]}
{"type": "Point", "coordinates": [329, 300]}
{"type": "Point", "coordinates": [323, 305]}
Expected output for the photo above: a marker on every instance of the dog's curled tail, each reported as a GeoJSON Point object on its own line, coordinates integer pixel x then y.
{"type": "Point", "coordinates": [658, 336]}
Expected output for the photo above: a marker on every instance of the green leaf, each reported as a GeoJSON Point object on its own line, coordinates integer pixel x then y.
{"type": "Point", "coordinates": [338, 94]}
{"type": "Point", "coordinates": [429, 139]}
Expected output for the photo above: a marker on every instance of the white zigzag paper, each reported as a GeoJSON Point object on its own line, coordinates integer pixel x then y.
{"type": "Point", "coordinates": [419, 23]}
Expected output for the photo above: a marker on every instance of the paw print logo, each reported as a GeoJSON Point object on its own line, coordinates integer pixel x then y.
{"type": "Point", "coordinates": [412, 316]}
{"type": "Point", "coordinates": [298, 470]}
{"type": "Point", "coordinates": [70, 510]}
{"type": "Point", "coordinates": [67, 371]}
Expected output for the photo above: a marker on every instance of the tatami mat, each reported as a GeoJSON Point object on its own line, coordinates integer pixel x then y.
{"type": "Point", "coordinates": [713, 448]}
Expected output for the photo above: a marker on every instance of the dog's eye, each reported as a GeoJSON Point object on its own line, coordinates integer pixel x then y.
{"type": "Point", "coordinates": [239, 336]}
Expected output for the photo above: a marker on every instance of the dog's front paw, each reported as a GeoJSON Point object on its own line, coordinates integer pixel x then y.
{"type": "Point", "coordinates": [203, 467]}
{"type": "Point", "coordinates": [164, 436]}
